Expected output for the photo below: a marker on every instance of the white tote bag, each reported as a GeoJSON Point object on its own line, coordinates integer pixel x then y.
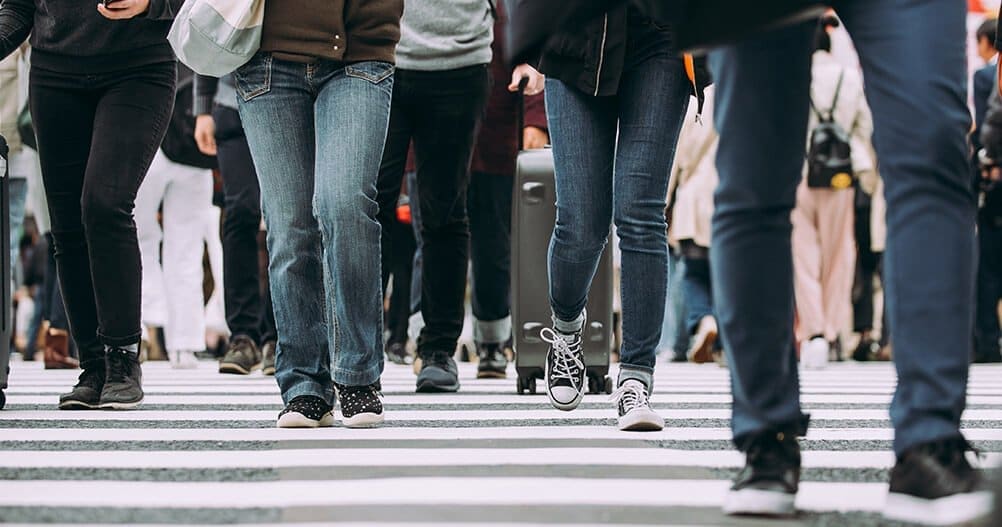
{"type": "Point", "coordinates": [215, 37]}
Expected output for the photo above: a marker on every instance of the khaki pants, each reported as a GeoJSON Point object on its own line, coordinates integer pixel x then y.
{"type": "Point", "coordinates": [824, 260]}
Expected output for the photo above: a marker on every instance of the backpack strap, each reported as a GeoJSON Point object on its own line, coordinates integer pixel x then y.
{"type": "Point", "coordinates": [493, 8]}
{"type": "Point", "coordinates": [838, 92]}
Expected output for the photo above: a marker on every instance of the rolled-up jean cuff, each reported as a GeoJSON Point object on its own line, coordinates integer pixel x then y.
{"type": "Point", "coordinates": [493, 331]}
{"type": "Point", "coordinates": [346, 377]}
{"type": "Point", "coordinates": [570, 326]}
{"type": "Point", "coordinates": [639, 373]}
{"type": "Point", "coordinates": [309, 388]}
{"type": "Point", "coordinates": [121, 341]}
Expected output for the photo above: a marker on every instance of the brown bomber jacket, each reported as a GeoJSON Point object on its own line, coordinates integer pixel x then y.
{"type": "Point", "coordinates": [339, 30]}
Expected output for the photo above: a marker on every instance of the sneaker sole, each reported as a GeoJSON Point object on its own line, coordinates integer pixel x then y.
{"type": "Point", "coordinates": [364, 420]}
{"type": "Point", "coordinates": [492, 375]}
{"type": "Point", "coordinates": [78, 405]}
{"type": "Point", "coordinates": [268, 371]}
{"type": "Point", "coordinates": [298, 420]}
{"type": "Point", "coordinates": [703, 352]}
{"type": "Point", "coordinates": [118, 405]}
{"type": "Point", "coordinates": [430, 387]}
{"type": "Point", "coordinates": [641, 421]}
{"type": "Point", "coordinates": [754, 502]}
{"type": "Point", "coordinates": [951, 510]}
{"type": "Point", "coordinates": [236, 369]}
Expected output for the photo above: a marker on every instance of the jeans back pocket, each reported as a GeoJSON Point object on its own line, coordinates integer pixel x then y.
{"type": "Point", "coordinates": [373, 71]}
{"type": "Point", "coordinates": [254, 78]}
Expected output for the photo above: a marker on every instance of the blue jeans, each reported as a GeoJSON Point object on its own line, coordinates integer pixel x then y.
{"type": "Point", "coordinates": [600, 180]}
{"type": "Point", "coordinates": [913, 58]}
{"type": "Point", "coordinates": [316, 133]}
{"type": "Point", "coordinates": [18, 196]}
{"type": "Point", "coordinates": [697, 287]}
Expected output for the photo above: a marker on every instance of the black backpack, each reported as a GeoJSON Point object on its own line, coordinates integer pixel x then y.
{"type": "Point", "coordinates": [829, 158]}
{"type": "Point", "coordinates": [179, 142]}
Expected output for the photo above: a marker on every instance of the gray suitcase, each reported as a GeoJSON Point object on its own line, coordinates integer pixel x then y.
{"type": "Point", "coordinates": [533, 216]}
{"type": "Point", "coordinates": [6, 303]}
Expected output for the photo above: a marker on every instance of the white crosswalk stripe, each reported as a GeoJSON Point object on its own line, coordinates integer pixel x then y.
{"type": "Point", "coordinates": [203, 449]}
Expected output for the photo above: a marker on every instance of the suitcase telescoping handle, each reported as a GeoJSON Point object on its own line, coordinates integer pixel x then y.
{"type": "Point", "coordinates": [520, 113]}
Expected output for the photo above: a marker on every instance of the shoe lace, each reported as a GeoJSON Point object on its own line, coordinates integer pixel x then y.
{"type": "Point", "coordinates": [93, 377]}
{"type": "Point", "coordinates": [567, 360]}
{"type": "Point", "coordinates": [630, 395]}
{"type": "Point", "coordinates": [118, 365]}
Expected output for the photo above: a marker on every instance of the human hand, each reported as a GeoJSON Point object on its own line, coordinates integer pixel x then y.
{"type": "Point", "coordinates": [123, 9]}
{"type": "Point", "coordinates": [534, 79]}
{"type": "Point", "coordinates": [534, 138]}
{"type": "Point", "coordinates": [205, 134]}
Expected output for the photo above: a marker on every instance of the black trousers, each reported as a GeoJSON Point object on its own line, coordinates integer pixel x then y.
{"type": "Point", "coordinates": [490, 244]}
{"type": "Point", "coordinates": [986, 322]}
{"type": "Point", "coordinates": [440, 111]}
{"type": "Point", "coordinates": [868, 267]}
{"type": "Point", "coordinates": [248, 309]}
{"type": "Point", "coordinates": [97, 135]}
{"type": "Point", "coordinates": [401, 268]}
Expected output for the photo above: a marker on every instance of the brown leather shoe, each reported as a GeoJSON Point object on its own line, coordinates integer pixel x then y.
{"type": "Point", "coordinates": [57, 351]}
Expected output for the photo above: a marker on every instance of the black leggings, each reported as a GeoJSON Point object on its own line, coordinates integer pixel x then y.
{"type": "Point", "coordinates": [97, 135]}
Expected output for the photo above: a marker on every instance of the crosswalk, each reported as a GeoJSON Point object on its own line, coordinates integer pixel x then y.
{"type": "Point", "coordinates": [203, 450]}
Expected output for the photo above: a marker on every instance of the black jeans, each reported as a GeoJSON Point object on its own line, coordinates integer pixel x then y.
{"type": "Point", "coordinates": [490, 244]}
{"type": "Point", "coordinates": [97, 135]}
{"type": "Point", "coordinates": [440, 111]}
{"type": "Point", "coordinates": [248, 311]}
{"type": "Point", "coordinates": [868, 267]}
{"type": "Point", "coordinates": [401, 267]}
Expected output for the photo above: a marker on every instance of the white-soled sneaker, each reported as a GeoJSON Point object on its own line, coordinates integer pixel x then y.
{"type": "Point", "coordinates": [814, 354]}
{"type": "Point", "coordinates": [635, 412]}
{"type": "Point", "coordinates": [306, 411]}
{"type": "Point", "coordinates": [566, 375]}
{"type": "Point", "coordinates": [360, 406]}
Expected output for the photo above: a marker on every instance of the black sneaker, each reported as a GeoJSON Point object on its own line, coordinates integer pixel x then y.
{"type": "Point", "coordinates": [86, 395]}
{"type": "Point", "coordinates": [768, 484]}
{"type": "Point", "coordinates": [934, 484]}
{"type": "Point", "coordinates": [306, 411]}
{"type": "Point", "coordinates": [360, 406]}
{"type": "Point", "coordinates": [493, 362]}
{"type": "Point", "coordinates": [123, 384]}
{"type": "Point", "coordinates": [268, 362]}
{"type": "Point", "coordinates": [566, 376]}
{"type": "Point", "coordinates": [398, 354]}
{"type": "Point", "coordinates": [439, 374]}
{"type": "Point", "coordinates": [241, 358]}
{"type": "Point", "coordinates": [635, 413]}
{"type": "Point", "coordinates": [867, 350]}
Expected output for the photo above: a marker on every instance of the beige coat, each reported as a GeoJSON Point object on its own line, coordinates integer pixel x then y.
{"type": "Point", "coordinates": [11, 99]}
{"type": "Point", "coordinates": [694, 178]}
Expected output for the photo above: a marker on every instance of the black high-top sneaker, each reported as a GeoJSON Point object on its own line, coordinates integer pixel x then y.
{"type": "Point", "coordinates": [566, 375]}
{"type": "Point", "coordinates": [86, 395]}
{"type": "Point", "coordinates": [123, 385]}
{"type": "Point", "coordinates": [306, 411]}
{"type": "Point", "coordinates": [934, 484]}
{"type": "Point", "coordinates": [360, 405]}
{"type": "Point", "coordinates": [768, 484]}
{"type": "Point", "coordinates": [493, 362]}
{"type": "Point", "coordinates": [635, 413]}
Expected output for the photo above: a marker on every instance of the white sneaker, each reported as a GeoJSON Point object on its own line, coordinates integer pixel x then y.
{"type": "Point", "coordinates": [635, 413]}
{"type": "Point", "coordinates": [814, 354]}
{"type": "Point", "coordinates": [183, 360]}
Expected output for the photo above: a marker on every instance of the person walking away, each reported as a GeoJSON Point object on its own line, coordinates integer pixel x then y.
{"type": "Point", "coordinates": [249, 313]}
{"type": "Point", "coordinates": [101, 91]}
{"type": "Point", "coordinates": [315, 103]}
{"type": "Point", "coordinates": [913, 60]}
{"type": "Point", "coordinates": [824, 248]}
{"type": "Point", "coordinates": [614, 117]}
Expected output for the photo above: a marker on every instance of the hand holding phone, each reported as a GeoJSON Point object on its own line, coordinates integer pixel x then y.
{"type": "Point", "coordinates": [122, 9]}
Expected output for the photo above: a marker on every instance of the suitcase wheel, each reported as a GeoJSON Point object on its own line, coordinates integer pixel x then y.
{"type": "Point", "coordinates": [526, 384]}
{"type": "Point", "coordinates": [3, 399]}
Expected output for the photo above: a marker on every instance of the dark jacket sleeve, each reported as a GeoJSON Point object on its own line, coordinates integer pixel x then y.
{"type": "Point", "coordinates": [164, 9]}
{"type": "Point", "coordinates": [535, 112]}
{"type": "Point", "coordinates": [16, 20]}
{"type": "Point", "coordinates": [984, 84]}
{"type": "Point", "coordinates": [204, 88]}
{"type": "Point", "coordinates": [991, 129]}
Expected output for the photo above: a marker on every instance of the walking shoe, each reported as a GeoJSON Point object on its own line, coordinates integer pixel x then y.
{"type": "Point", "coordinates": [635, 413]}
{"type": "Point", "coordinates": [867, 350]}
{"type": "Point", "coordinates": [241, 358]}
{"type": "Point", "coordinates": [768, 484]}
{"type": "Point", "coordinates": [306, 411]}
{"type": "Point", "coordinates": [934, 484]}
{"type": "Point", "coordinates": [397, 353]}
{"type": "Point", "coordinates": [566, 376]}
{"type": "Point", "coordinates": [86, 395]}
{"type": "Point", "coordinates": [183, 360]}
{"type": "Point", "coordinates": [268, 362]}
{"type": "Point", "coordinates": [438, 374]}
{"type": "Point", "coordinates": [360, 405]}
{"type": "Point", "coordinates": [814, 354]}
{"type": "Point", "coordinates": [493, 362]}
{"type": "Point", "coordinates": [704, 340]}
{"type": "Point", "coordinates": [56, 351]}
{"type": "Point", "coordinates": [123, 384]}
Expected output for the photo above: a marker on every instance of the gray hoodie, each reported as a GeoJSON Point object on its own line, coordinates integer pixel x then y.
{"type": "Point", "coordinates": [445, 34]}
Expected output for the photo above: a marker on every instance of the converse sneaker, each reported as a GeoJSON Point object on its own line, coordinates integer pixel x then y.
{"type": "Point", "coordinates": [566, 376]}
{"type": "Point", "coordinates": [306, 411]}
{"type": "Point", "coordinates": [360, 406]}
{"type": "Point", "coordinates": [493, 362]}
{"type": "Point", "coordinates": [242, 357]}
{"type": "Point", "coordinates": [768, 484]}
{"type": "Point", "coordinates": [439, 374]}
{"type": "Point", "coordinates": [86, 395]}
{"type": "Point", "coordinates": [123, 387]}
{"type": "Point", "coordinates": [934, 484]}
{"type": "Point", "coordinates": [635, 413]}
